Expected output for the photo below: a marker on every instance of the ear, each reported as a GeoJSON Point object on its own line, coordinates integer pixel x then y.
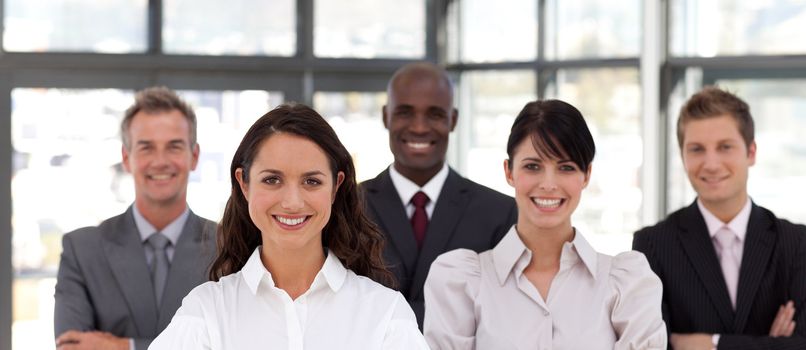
{"type": "Point", "coordinates": [751, 153]}
{"type": "Point", "coordinates": [244, 187]}
{"type": "Point", "coordinates": [385, 116]}
{"type": "Point", "coordinates": [587, 176]}
{"type": "Point", "coordinates": [454, 118]}
{"type": "Point", "coordinates": [508, 173]}
{"type": "Point", "coordinates": [339, 181]}
{"type": "Point", "coordinates": [124, 154]}
{"type": "Point", "coordinates": [195, 156]}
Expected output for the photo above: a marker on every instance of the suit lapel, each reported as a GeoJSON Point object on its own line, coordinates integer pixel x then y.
{"type": "Point", "coordinates": [124, 251]}
{"type": "Point", "coordinates": [388, 207]}
{"type": "Point", "coordinates": [758, 247]}
{"type": "Point", "coordinates": [700, 250]}
{"type": "Point", "coordinates": [450, 206]}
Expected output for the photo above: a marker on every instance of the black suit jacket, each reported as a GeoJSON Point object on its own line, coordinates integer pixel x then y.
{"type": "Point", "coordinates": [104, 281]}
{"type": "Point", "coordinates": [695, 297]}
{"type": "Point", "coordinates": [466, 215]}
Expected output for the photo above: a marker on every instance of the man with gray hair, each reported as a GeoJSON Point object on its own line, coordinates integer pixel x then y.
{"type": "Point", "coordinates": [120, 283]}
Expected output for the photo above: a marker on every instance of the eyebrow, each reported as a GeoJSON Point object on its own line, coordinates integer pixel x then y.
{"type": "Point", "coordinates": [540, 160]}
{"type": "Point", "coordinates": [280, 172]}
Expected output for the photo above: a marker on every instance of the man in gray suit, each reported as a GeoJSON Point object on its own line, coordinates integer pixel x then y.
{"type": "Point", "coordinates": [423, 207]}
{"type": "Point", "coordinates": [120, 283]}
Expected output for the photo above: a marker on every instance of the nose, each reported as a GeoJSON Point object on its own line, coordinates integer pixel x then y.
{"type": "Point", "coordinates": [548, 182]}
{"type": "Point", "coordinates": [292, 198]}
{"type": "Point", "coordinates": [711, 161]}
{"type": "Point", "coordinates": [419, 124]}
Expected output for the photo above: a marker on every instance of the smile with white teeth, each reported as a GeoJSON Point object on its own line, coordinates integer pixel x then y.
{"type": "Point", "coordinates": [291, 222]}
{"type": "Point", "coordinates": [418, 145]}
{"type": "Point", "coordinates": [161, 177]}
{"type": "Point", "coordinates": [547, 203]}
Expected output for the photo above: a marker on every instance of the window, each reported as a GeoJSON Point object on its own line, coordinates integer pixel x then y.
{"type": "Point", "coordinates": [236, 27]}
{"type": "Point", "coordinates": [589, 29]}
{"type": "Point", "coordinates": [369, 29]}
{"type": "Point", "coordinates": [490, 102]}
{"type": "Point", "coordinates": [109, 26]}
{"type": "Point", "coordinates": [356, 118]}
{"type": "Point", "coordinates": [737, 27]}
{"type": "Point", "coordinates": [610, 101]}
{"type": "Point", "coordinates": [487, 31]}
{"type": "Point", "coordinates": [778, 106]}
{"type": "Point", "coordinates": [67, 147]}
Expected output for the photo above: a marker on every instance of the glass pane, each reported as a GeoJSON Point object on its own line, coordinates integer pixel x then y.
{"type": "Point", "coordinates": [610, 100]}
{"type": "Point", "coordinates": [110, 26]}
{"type": "Point", "coordinates": [369, 28]}
{"type": "Point", "coordinates": [491, 101]}
{"type": "Point", "coordinates": [356, 118]}
{"type": "Point", "coordinates": [66, 144]}
{"type": "Point", "coordinates": [490, 31]}
{"type": "Point", "coordinates": [778, 107]}
{"type": "Point", "coordinates": [593, 29]}
{"type": "Point", "coordinates": [737, 27]}
{"type": "Point", "coordinates": [239, 27]}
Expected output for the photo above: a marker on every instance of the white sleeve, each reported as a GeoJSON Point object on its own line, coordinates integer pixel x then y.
{"type": "Point", "coordinates": [187, 330]}
{"type": "Point", "coordinates": [450, 290]}
{"type": "Point", "coordinates": [636, 315]}
{"type": "Point", "coordinates": [403, 333]}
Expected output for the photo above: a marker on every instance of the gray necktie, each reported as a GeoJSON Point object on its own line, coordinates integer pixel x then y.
{"type": "Point", "coordinates": [160, 264]}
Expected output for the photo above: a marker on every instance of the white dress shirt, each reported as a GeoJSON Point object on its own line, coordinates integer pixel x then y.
{"type": "Point", "coordinates": [245, 310]}
{"type": "Point", "coordinates": [407, 188]}
{"type": "Point", "coordinates": [484, 301]}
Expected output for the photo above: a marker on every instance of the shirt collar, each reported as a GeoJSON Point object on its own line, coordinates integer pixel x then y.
{"type": "Point", "coordinates": [172, 231]}
{"type": "Point", "coordinates": [511, 250]}
{"type": "Point", "coordinates": [738, 225]}
{"type": "Point", "coordinates": [332, 274]}
{"type": "Point", "coordinates": [407, 188]}
{"type": "Point", "coordinates": [579, 249]}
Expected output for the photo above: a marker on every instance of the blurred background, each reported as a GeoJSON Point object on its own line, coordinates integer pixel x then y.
{"type": "Point", "coordinates": [69, 68]}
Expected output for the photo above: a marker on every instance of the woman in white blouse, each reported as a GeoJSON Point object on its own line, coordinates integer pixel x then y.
{"type": "Point", "coordinates": [299, 266]}
{"type": "Point", "coordinates": [543, 286]}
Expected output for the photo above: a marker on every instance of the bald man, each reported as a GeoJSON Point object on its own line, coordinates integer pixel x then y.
{"type": "Point", "coordinates": [423, 207]}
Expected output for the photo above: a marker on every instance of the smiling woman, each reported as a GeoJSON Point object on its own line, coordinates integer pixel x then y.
{"type": "Point", "coordinates": [543, 285]}
{"type": "Point", "coordinates": [296, 252]}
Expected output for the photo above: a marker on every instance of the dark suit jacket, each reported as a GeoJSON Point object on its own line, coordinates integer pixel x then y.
{"type": "Point", "coordinates": [104, 281]}
{"type": "Point", "coordinates": [695, 297]}
{"type": "Point", "coordinates": [467, 215]}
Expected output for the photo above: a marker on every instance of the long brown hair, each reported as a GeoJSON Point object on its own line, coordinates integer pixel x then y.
{"type": "Point", "coordinates": [349, 234]}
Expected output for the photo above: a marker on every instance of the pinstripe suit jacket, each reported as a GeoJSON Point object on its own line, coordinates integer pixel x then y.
{"type": "Point", "coordinates": [695, 297]}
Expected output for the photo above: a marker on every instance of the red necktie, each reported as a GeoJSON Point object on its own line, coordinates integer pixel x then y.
{"type": "Point", "coordinates": [419, 221]}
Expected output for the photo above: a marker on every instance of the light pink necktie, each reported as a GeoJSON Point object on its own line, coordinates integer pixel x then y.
{"type": "Point", "coordinates": [727, 259]}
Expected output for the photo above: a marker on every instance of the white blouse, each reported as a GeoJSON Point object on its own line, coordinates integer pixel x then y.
{"type": "Point", "coordinates": [245, 310]}
{"type": "Point", "coordinates": [484, 301]}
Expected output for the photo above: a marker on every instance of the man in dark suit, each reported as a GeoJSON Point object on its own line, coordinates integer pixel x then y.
{"type": "Point", "coordinates": [423, 206]}
{"type": "Point", "coordinates": [120, 283]}
{"type": "Point", "coordinates": [734, 275]}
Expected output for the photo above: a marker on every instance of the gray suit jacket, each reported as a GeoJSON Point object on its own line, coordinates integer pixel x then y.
{"type": "Point", "coordinates": [104, 282]}
{"type": "Point", "coordinates": [467, 215]}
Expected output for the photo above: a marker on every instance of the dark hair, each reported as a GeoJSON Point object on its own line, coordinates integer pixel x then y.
{"type": "Point", "coordinates": [157, 99]}
{"type": "Point", "coordinates": [557, 130]}
{"type": "Point", "coordinates": [349, 234]}
{"type": "Point", "coordinates": [712, 102]}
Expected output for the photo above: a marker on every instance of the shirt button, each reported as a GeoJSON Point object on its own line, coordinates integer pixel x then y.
{"type": "Point", "coordinates": [546, 313]}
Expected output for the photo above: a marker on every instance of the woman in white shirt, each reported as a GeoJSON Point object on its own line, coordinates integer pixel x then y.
{"type": "Point", "coordinates": [299, 266]}
{"type": "Point", "coordinates": [543, 286]}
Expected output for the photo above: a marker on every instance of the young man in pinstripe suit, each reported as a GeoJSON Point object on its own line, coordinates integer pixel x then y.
{"type": "Point", "coordinates": [734, 275]}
